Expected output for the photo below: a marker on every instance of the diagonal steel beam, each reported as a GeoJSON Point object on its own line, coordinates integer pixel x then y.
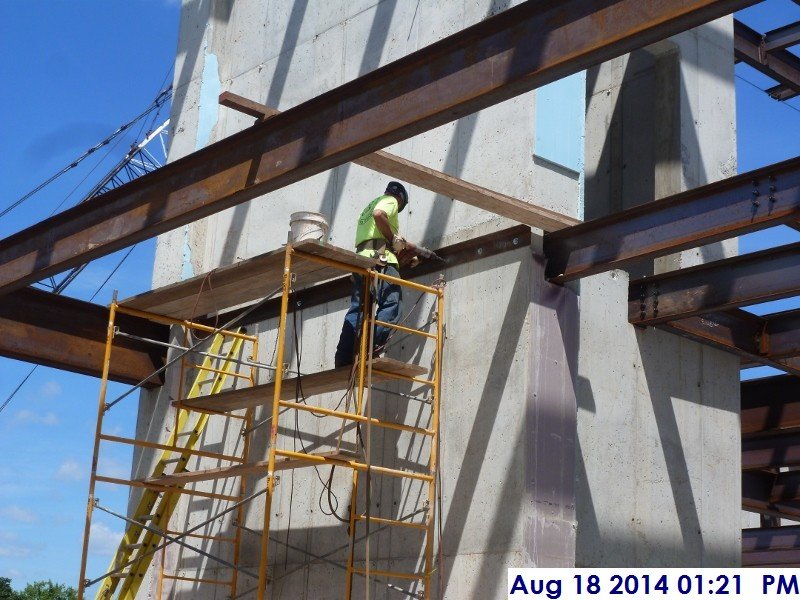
{"type": "Point", "coordinates": [513, 52]}
{"type": "Point", "coordinates": [741, 204]}
{"type": "Point", "coordinates": [739, 281]}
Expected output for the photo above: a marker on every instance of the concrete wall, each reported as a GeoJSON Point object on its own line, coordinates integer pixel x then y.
{"type": "Point", "coordinates": [658, 421]}
{"type": "Point", "coordinates": [655, 427]}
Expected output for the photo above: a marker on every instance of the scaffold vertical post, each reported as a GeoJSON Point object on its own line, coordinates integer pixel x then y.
{"type": "Point", "coordinates": [434, 454]}
{"type": "Point", "coordinates": [262, 568]}
{"type": "Point", "coordinates": [101, 409]}
{"type": "Point", "coordinates": [366, 304]}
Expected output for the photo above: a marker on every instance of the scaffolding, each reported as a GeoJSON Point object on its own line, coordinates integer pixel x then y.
{"type": "Point", "coordinates": [226, 385]}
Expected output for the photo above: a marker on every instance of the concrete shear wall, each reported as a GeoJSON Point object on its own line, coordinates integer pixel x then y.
{"type": "Point", "coordinates": [511, 360]}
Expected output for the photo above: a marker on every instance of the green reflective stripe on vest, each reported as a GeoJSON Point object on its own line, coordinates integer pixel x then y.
{"type": "Point", "coordinates": [368, 230]}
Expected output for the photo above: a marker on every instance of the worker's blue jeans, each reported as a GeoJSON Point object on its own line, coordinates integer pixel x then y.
{"type": "Point", "coordinates": [388, 297]}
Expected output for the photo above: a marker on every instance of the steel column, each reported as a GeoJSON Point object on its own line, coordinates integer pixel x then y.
{"type": "Point", "coordinates": [508, 54]}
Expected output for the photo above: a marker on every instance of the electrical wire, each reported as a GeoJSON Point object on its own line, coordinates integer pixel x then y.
{"type": "Point", "coordinates": [760, 89]}
{"type": "Point", "coordinates": [160, 99]}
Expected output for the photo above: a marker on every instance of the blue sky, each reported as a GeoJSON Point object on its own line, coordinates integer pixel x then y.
{"type": "Point", "coordinates": [73, 72]}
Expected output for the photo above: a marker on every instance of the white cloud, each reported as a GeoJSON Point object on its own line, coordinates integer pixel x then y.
{"type": "Point", "coordinates": [69, 470]}
{"type": "Point", "coordinates": [28, 416]}
{"type": "Point", "coordinates": [19, 514]}
{"type": "Point", "coordinates": [11, 551]}
{"type": "Point", "coordinates": [103, 540]}
{"type": "Point", "coordinates": [50, 389]}
{"type": "Point", "coordinates": [11, 573]}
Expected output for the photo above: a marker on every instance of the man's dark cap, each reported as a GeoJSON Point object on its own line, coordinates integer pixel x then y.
{"type": "Point", "coordinates": [396, 189]}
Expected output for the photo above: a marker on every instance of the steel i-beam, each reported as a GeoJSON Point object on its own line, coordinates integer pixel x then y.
{"type": "Point", "coordinates": [762, 198]}
{"type": "Point", "coordinates": [513, 52]}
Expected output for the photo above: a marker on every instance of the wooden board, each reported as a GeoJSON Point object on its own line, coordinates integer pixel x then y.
{"type": "Point", "coordinates": [323, 382]}
{"type": "Point", "coordinates": [244, 282]}
{"type": "Point", "coordinates": [282, 463]}
{"type": "Point", "coordinates": [432, 180]}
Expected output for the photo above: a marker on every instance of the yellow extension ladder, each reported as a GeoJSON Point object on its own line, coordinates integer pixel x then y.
{"type": "Point", "coordinates": [156, 506]}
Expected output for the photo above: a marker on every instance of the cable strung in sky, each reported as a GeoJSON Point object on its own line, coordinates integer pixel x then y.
{"type": "Point", "coordinates": [163, 97]}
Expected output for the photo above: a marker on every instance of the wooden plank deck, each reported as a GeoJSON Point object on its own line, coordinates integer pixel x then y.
{"type": "Point", "coordinates": [313, 384]}
{"type": "Point", "coordinates": [282, 463]}
{"type": "Point", "coordinates": [244, 282]}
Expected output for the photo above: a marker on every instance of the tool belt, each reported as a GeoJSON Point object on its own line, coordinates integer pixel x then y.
{"type": "Point", "coordinates": [378, 245]}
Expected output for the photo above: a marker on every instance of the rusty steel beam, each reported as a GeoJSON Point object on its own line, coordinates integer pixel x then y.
{"type": "Point", "coordinates": [757, 494]}
{"type": "Point", "coordinates": [513, 52]}
{"type": "Point", "coordinates": [741, 204]}
{"type": "Point", "coordinates": [454, 255]}
{"type": "Point", "coordinates": [770, 404]}
{"type": "Point", "coordinates": [782, 334]}
{"type": "Point", "coordinates": [782, 92]}
{"type": "Point", "coordinates": [65, 333]}
{"type": "Point", "coordinates": [782, 37]}
{"type": "Point", "coordinates": [769, 340]}
{"type": "Point", "coordinates": [739, 281]}
{"type": "Point", "coordinates": [786, 487]}
{"type": "Point", "coordinates": [771, 546]}
{"type": "Point", "coordinates": [771, 452]}
{"type": "Point", "coordinates": [750, 47]}
{"type": "Point", "coordinates": [734, 331]}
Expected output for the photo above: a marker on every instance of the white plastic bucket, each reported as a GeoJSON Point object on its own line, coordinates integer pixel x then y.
{"type": "Point", "coordinates": [308, 226]}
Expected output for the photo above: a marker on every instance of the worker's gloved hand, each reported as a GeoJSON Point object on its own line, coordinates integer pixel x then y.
{"type": "Point", "coordinates": [407, 258]}
{"type": "Point", "coordinates": [399, 244]}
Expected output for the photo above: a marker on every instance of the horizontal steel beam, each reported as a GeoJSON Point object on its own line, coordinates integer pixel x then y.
{"type": "Point", "coordinates": [771, 546]}
{"type": "Point", "coordinates": [749, 47]}
{"type": "Point", "coordinates": [782, 334]}
{"type": "Point", "coordinates": [739, 281]}
{"type": "Point", "coordinates": [782, 92]}
{"type": "Point", "coordinates": [734, 331]}
{"type": "Point", "coordinates": [513, 52]}
{"type": "Point", "coordinates": [786, 487]}
{"type": "Point", "coordinates": [770, 404]}
{"type": "Point", "coordinates": [741, 204]}
{"type": "Point", "coordinates": [782, 37]}
{"type": "Point", "coordinates": [771, 452]}
{"type": "Point", "coordinates": [455, 255]}
{"type": "Point", "coordinates": [64, 333]}
{"type": "Point", "coordinates": [757, 494]}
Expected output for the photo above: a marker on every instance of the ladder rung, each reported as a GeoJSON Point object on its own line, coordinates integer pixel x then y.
{"type": "Point", "coordinates": [198, 580]}
{"type": "Point", "coordinates": [133, 546]}
{"type": "Point", "coordinates": [381, 520]}
{"type": "Point", "coordinates": [217, 538]}
{"type": "Point", "coordinates": [398, 575]}
{"type": "Point", "coordinates": [355, 417]}
{"type": "Point", "coordinates": [167, 461]}
{"type": "Point", "coordinates": [143, 518]}
{"type": "Point", "coordinates": [123, 575]}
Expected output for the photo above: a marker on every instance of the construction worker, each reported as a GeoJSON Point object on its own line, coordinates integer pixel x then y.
{"type": "Point", "coordinates": [377, 236]}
